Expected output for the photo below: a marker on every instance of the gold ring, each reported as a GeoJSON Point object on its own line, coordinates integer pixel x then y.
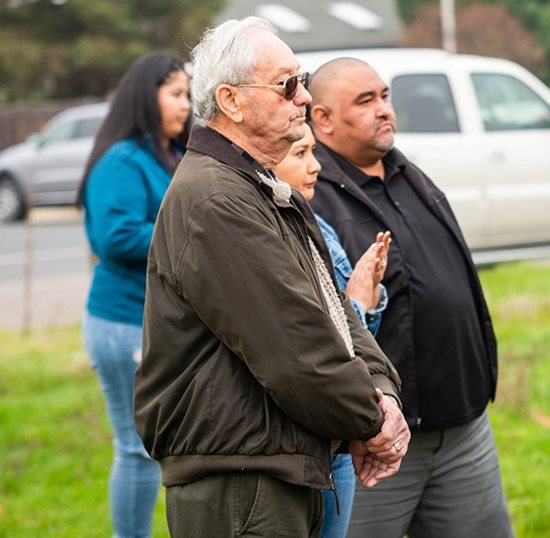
{"type": "Point", "coordinates": [398, 446]}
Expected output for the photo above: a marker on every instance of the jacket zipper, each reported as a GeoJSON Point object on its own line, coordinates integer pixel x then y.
{"type": "Point", "coordinates": [333, 489]}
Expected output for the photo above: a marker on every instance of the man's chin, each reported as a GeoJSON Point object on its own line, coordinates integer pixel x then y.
{"type": "Point", "coordinates": [385, 145]}
{"type": "Point", "coordinates": [297, 132]}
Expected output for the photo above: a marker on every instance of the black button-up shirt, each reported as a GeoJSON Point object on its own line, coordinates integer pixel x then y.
{"type": "Point", "coordinates": [448, 342]}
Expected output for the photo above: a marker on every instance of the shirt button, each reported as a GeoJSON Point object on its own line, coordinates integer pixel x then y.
{"type": "Point", "coordinates": [397, 204]}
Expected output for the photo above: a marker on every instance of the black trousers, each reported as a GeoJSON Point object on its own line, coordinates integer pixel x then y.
{"type": "Point", "coordinates": [243, 504]}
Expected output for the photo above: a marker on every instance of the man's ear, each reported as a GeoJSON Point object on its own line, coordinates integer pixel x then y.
{"type": "Point", "coordinates": [228, 102]}
{"type": "Point", "coordinates": [322, 119]}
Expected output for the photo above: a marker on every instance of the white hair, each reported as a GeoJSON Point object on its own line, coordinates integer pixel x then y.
{"type": "Point", "coordinates": [224, 55]}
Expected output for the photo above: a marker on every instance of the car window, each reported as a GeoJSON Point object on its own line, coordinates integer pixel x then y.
{"type": "Point", "coordinates": [61, 132]}
{"type": "Point", "coordinates": [507, 103]}
{"type": "Point", "coordinates": [424, 104]}
{"type": "Point", "coordinates": [87, 128]}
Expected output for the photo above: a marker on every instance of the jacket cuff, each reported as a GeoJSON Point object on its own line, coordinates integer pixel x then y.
{"type": "Point", "coordinates": [382, 302]}
{"type": "Point", "coordinates": [387, 387]}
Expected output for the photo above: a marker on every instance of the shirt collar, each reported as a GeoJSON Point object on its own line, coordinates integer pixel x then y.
{"type": "Point", "coordinates": [394, 162]}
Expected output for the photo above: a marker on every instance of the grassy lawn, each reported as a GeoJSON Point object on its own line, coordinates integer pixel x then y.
{"type": "Point", "coordinates": [519, 299]}
{"type": "Point", "coordinates": [55, 449]}
{"type": "Point", "coordinates": [55, 441]}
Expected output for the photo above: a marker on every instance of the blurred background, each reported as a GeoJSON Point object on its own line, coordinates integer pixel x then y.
{"type": "Point", "coordinates": [59, 62]}
{"type": "Point", "coordinates": [58, 55]}
{"type": "Point", "coordinates": [59, 52]}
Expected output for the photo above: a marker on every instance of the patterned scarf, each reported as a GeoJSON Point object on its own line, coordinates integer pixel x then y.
{"type": "Point", "coordinates": [282, 193]}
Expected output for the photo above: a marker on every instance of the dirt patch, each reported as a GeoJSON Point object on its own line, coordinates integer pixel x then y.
{"type": "Point", "coordinates": [540, 418]}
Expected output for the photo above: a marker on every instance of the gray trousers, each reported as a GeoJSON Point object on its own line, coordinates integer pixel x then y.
{"type": "Point", "coordinates": [243, 504]}
{"type": "Point", "coordinates": [448, 487]}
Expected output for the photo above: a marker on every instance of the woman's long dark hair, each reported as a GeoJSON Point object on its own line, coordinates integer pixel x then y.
{"type": "Point", "coordinates": [134, 111]}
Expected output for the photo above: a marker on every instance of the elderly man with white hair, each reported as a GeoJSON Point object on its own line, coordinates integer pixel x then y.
{"type": "Point", "coordinates": [254, 366]}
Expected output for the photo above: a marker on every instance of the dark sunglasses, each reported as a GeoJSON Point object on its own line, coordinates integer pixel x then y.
{"type": "Point", "coordinates": [289, 85]}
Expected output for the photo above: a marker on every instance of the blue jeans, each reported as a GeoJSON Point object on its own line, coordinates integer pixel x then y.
{"type": "Point", "coordinates": [115, 351]}
{"type": "Point", "coordinates": [334, 525]}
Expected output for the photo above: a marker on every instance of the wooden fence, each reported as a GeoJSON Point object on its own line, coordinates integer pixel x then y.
{"type": "Point", "coordinates": [18, 121]}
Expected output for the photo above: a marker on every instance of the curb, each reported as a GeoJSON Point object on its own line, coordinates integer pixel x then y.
{"type": "Point", "coordinates": [53, 215]}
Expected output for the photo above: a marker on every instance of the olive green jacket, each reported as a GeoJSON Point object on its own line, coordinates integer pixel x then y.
{"type": "Point", "coordinates": [243, 367]}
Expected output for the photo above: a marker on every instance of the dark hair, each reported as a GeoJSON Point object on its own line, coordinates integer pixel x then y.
{"type": "Point", "coordinates": [134, 111]}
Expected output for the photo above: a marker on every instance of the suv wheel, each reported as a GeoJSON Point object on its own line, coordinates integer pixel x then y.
{"type": "Point", "coordinates": [12, 202]}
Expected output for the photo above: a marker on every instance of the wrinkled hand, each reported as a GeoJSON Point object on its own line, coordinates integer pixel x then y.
{"type": "Point", "coordinates": [381, 457]}
{"type": "Point", "coordinates": [369, 468]}
{"type": "Point", "coordinates": [392, 441]}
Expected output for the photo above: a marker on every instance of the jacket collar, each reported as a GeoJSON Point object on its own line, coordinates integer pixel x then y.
{"type": "Point", "coordinates": [209, 142]}
{"type": "Point", "coordinates": [331, 172]}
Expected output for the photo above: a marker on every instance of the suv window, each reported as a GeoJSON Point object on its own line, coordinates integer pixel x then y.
{"type": "Point", "coordinates": [424, 104]}
{"type": "Point", "coordinates": [506, 103]}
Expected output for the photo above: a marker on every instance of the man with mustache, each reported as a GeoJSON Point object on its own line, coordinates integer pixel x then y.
{"type": "Point", "coordinates": [436, 329]}
{"type": "Point", "coordinates": [254, 367]}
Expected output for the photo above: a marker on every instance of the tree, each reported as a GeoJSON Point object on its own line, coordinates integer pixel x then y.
{"type": "Point", "coordinates": [519, 31]}
{"type": "Point", "coordinates": [67, 48]}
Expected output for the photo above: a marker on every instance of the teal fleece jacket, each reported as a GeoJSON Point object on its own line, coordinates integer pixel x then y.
{"type": "Point", "coordinates": [121, 201]}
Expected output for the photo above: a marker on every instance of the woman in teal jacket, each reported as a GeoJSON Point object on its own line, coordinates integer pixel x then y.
{"type": "Point", "coordinates": [137, 149]}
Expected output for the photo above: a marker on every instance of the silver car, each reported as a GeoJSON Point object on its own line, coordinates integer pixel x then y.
{"type": "Point", "coordinates": [46, 169]}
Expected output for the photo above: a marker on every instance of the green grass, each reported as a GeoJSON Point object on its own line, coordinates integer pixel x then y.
{"type": "Point", "coordinates": [519, 299]}
{"type": "Point", "coordinates": [55, 442]}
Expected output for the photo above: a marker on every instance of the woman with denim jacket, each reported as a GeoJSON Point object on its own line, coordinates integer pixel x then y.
{"type": "Point", "coordinates": [136, 151]}
{"type": "Point", "coordinates": [369, 298]}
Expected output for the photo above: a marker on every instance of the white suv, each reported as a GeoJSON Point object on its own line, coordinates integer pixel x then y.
{"type": "Point", "coordinates": [47, 168]}
{"type": "Point", "coordinates": [480, 128]}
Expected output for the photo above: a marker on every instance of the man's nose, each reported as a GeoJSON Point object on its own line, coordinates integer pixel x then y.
{"type": "Point", "coordinates": [303, 97]}
{"type": "Point", "coordinates": [385, 108]}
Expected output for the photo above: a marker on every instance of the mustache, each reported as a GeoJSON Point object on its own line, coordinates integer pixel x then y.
{"type": "Point", "coordinates": [386, 124]}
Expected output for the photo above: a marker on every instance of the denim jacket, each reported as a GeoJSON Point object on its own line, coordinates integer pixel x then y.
{"type": "Point", "coordinates": [342, 267]}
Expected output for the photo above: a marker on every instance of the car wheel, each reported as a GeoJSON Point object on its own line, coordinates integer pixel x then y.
{"type": "Point", "coordinates": [12, 202]}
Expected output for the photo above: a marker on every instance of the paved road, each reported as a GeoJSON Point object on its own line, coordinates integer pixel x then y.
{"type": "Point", "coordinates": [57, 270]}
